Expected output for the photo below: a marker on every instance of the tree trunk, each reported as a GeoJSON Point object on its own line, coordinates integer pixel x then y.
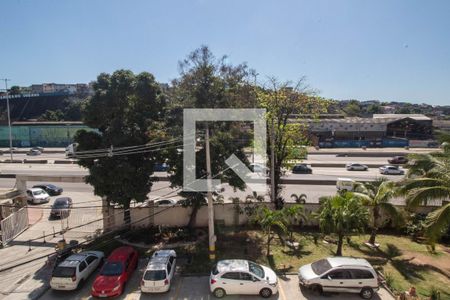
{"type": "Point", "coordinates": [268, 243]}
{"type": "Point", "coordinates": [376, 216]}
{"type": "Point", "coordinates": [339, 245]}
{"type": "Point", "coordinates": [373, 235]}
{"type": "Point", "coordinates": [195, 207]}
{"type": "Point", "coordinates": [126, 213]}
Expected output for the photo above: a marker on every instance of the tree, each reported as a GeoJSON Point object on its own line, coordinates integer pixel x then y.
{"type": "Point", "coordinates": [207, 82]}
{"type": "Point", "coordinates": [342, 214]}
{"type": "Point", "coordinates": [300, 198]}
{"type": "Point", "coordinates": [52, 115]}
{"type": "Point", "coordinates": [123, 109]}
{"type": "Point", "coordinates": [377, 195]}
{"type": "Point", "coordinates": [268, 219]}
{"type": "Point", "coordinates": [14, 90]}
{"type": "Point", "coordinates": [352, 109]}
{"type": "Point", "coordinates": [286, 104]}
{"type": "Point", "coordinates": [294, 214]}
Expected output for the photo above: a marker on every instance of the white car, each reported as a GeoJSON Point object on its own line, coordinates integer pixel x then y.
{"type": "Point", "coordinates": [165, 202]}
{"type": "Point", "coordinates": [345, 184]}
{"type": "Point", "coordinates": [391, 170]}
{"type": "Point", "coordinates": [159, 273]}
{"type": "Point", "coordinates": [75, 270]}
{"type": "Point", "coordinates": [356, 167]}
{"type": "Point", "coordinates": [259, 169]}
{"type": "Point", "coordinates": [340, 274]}
{"type": "Point", "coordinates": [37, 195]}
{"type": "Point", "coordinates": [239, 276]}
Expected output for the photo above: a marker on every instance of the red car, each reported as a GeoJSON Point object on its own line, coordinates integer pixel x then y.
{"type": "Point", "coordinates": [116, 271]}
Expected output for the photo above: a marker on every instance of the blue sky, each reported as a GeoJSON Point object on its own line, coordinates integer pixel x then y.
{"type": "Point", "coordinates": [386, 50]}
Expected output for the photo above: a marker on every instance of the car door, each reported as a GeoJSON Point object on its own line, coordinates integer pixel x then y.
{"type": "Point", "coordinates": [247, 286]}
{"type": "Point", "coordinates": [92, 262]}
{"type": "Point", "coordinates": [337, 281]}
{"type": "Point", "coordinates": [230, 282]}
{"type": "Point", "coordinates": [172, 262]}
{"type": "Point", "coordinates": [360, 279]}
{"type": "Point", "coordinates": [82, 271]}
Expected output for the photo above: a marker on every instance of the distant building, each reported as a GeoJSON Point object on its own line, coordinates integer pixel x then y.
{"type": "Point", "coordinates": [58, 88]}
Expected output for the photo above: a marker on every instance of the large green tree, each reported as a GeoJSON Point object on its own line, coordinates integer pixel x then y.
{"type": "Point", "coordinates": [287, 105]}
{"type": "Point", "coordinates": [377, 195]}
{"type": "Point", "coordinates": [209, 82]}
{"type": "Point", "coordinates": [124, 109]}
{"type": "Point", "coordinates": [342, 214]}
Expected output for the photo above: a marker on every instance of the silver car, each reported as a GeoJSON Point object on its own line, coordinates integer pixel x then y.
{"type": "Point", "coordinates": [356, 167]}
{"type": "Point", "coordinates": [391, 170]}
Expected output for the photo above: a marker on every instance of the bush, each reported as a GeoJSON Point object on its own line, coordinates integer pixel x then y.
{"type": "Point", "coordinates": [415, 225]}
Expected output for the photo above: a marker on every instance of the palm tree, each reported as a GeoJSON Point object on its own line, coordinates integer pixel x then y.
{"type": "Point", "coordinates": [255, 197]}
{"type": "Point", "coordinates": [377, 195]}
{"type": "Point", "coordinates": [294, 214]}
{"type": "Point", "coordinates": [428, 179]}
{"type": "Point", "coordinates": [342, 214]}
{"type": "Point", "coordinates": [300, 198]}
{"type": "Point", "coordinates": [268, 219]}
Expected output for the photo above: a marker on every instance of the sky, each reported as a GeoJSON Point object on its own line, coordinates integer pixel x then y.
{"type": "Point", "coordinates": [386, 50]}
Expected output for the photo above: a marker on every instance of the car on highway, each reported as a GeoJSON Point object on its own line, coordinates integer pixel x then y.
{"type": "Point", "coordinates": [259, 169]}
{"type": "Point", "coordinates": [345, 184]}
{"type": "Point", "coordinates": [61, 207]}
{"type": "Point", "coordinates": [41, 149]}
{"type": "Point", "coordinates": [301, 169]}
{"type": "Point", "coordinates": [115, 273]}
{"type": "Point", "coordinates": [37, 196]}
{"type": "Point", "coordinates": [34, 152]}
{"type": "Point", "coordinates": [159, 272]}
{"type": "Point", "coordinates": [398, 160]}
{"type": "Point", "coordinates": [356, 167]}
{"type": "Point", "coordinates": [340, 274]}
{"type": "Point", "coordinates": [51, 189]}
{"type": "Point", "coordinates": [242, 277]}
{"type": "Point", "coordinates": [391, 170]}
{"type": "Point", "coordinates": [165, 202]}
{"type": "Point", "coordinates": [75, 270]}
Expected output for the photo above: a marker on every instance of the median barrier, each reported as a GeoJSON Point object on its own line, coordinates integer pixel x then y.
{"type": "Point", "coordinates": [35, 161]}
{"type": "Point", "coordinates": [14, 161]}
{"type": "Point", "coordinates": [68, 162]}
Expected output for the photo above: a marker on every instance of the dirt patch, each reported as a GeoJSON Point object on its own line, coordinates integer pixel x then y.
{"type": "Point", "coordinates": [440, 264]}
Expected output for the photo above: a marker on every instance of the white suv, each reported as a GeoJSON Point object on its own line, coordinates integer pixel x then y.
{"type": "Point", "coordinates": [72, 272]}
{"type": "Point", "coordinates": [340, 274]}
{"type": "Point", "coordinates": [159, 272]}
{"type": "Point", "coordinates": [238, 276]}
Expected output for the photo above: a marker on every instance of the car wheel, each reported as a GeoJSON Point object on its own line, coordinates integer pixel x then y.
{"type": "Point", "coordinates": [219, 293]}
{"type": "Point", "coordinates": [317, 289]}
{"type": "Point", "coordinates": [366, 293]}
{"type": "Point", "coordinates": [265, 293]}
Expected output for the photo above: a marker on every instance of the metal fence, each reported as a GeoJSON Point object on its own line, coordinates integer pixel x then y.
{"type": "Point", "coordinates": [13, 225]}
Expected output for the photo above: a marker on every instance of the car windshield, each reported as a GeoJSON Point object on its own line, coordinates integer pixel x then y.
{"type": "Point", "coordinates": [64, 272]}
{"type": "Point", "coordinates": [36, 193]}
{"type": "Point", "coordinates": [321, 266]}
{"type": "Point", "coordinates": [256, 269]}
{"type": "Point", "coordinates": [155, 275]}
{"type": "Point", "coordinates": [112, 269]}
{"type": "Point", "coordinates": [214, 270]}
{"type": "Point", "coordinates": [60, 204]}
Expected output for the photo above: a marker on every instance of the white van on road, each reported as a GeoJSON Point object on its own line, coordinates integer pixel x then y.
{"type": "Point", "coordinates": [345, 184]}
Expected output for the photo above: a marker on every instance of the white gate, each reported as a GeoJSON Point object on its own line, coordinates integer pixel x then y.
{"type": "Point", "coordinates": [13, 225]}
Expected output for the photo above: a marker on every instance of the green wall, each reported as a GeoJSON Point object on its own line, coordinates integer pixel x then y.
{"type": "Point", "coordinates": [40, 135]}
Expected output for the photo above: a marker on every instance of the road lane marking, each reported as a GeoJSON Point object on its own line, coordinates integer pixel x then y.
{"type": "Point", "coordinates": [281, 291]}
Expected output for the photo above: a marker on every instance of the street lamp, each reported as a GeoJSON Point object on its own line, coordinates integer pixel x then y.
{"type": "Point", "coordinates": [9, 118]}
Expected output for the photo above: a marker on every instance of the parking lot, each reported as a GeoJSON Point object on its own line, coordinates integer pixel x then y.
{"type": "Point", "coordinates": [197, 287]}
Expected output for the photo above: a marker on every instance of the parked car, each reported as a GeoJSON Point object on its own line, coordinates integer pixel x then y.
{"type": "Point", "coordinates": [345, 184]}
{"type": "Point", "coordinates": [356, 167]}
{"type": "Point", "coordinates": [41, 149]}
{"type": "Point", "coordinates": [37, 196]}
{"type": "Point", "coordinates": [398, 160]}
{"type": "Point", "coordinates": [391, 170]}
{"type": "Point", "coordinates": [165, 202]}
{"type": "Point", "coordinates": [34, 152]}
{"type": "Point", "coordinates": [340, 274]}
{"type": "Point", "coordinates": [74, 270]}
{"type": "Point", "coordinates": [51, 189]}
{"type": "Point", "coordinates": [259, 168]}
{"type": "Point", "coordinates": [61, 207]}
{"type": "Point", "coordinates": [239, 276]}
{"type": "Point", "coordinates": [116, 271]}
{"type": "Point", "coordinates": [301, 169]}
{"type": "Point", "coordinates": [159, 273]}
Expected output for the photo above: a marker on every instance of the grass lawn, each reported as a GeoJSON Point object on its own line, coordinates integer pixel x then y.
{"type": "Point", "coordinates": [405, 262]}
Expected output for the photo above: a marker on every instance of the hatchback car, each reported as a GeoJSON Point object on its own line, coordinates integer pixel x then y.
{"type": "Point", "coordinates": [159, 273]}
{"type": "Point", "coordinates": [37, 196]}
{"type": "Point", "coordinates": [34, 152]}
{"type": "Point", "coordinates": [391, 170]}
{"type": "Point", "coordinates": [340, 274]}
{"type": "Point", "coordinates": [116, 271]}
{"type": "Point", "coordinates": [239, 276]}
{"type": "Point", "coordinates": [51, 189]}
{"type": "Point", "coordinates": [301, 169]}
{"type": "Point", "coordinates": [356, 167]}
{"type": "Point", "coordinates": [61, 207]}
{"type": "Point", "coordinates": [74, 270]}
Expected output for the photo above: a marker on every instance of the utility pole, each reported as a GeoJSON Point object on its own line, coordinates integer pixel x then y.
{"type": "Point", "coordinates": [272, 164]}
{"type": "Point", "coordinates": [9, 118]}
{"type": "Point", "coordinates": [212, 237]}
